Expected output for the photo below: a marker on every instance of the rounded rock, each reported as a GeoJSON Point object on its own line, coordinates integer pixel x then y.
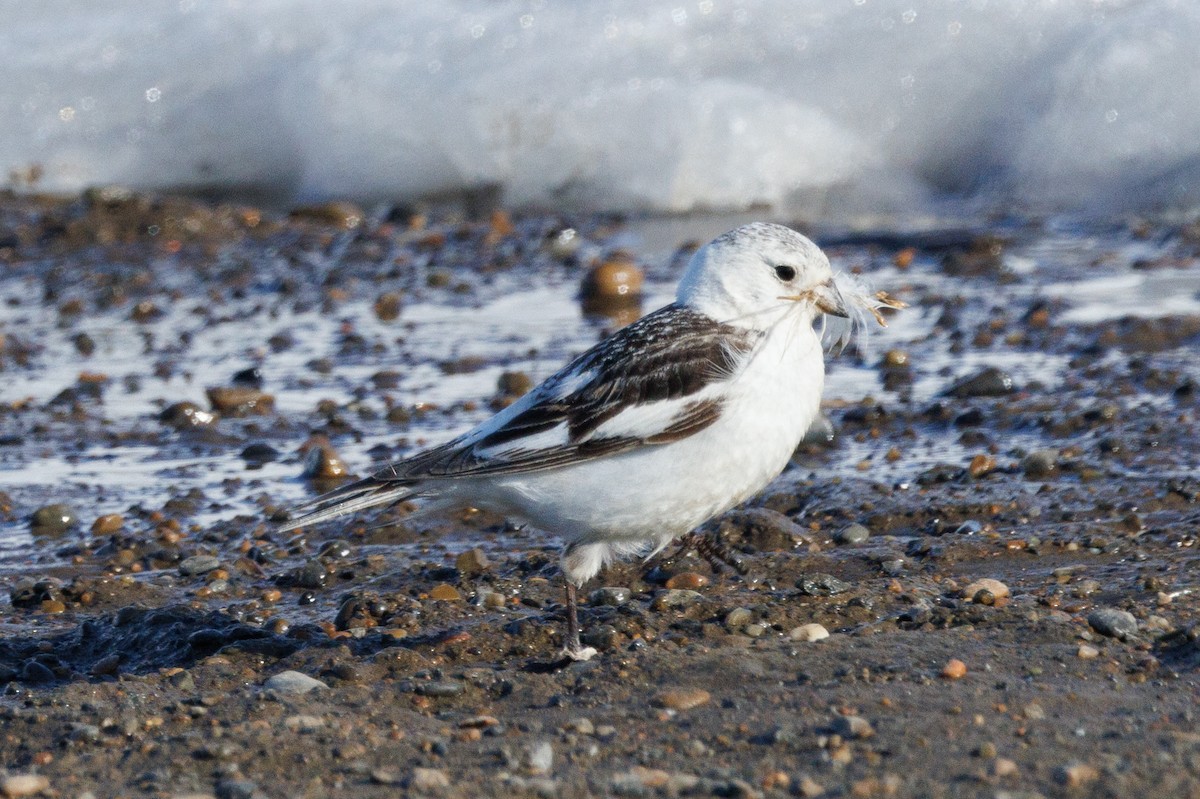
{"type": "Point", "coordinates": [1119, 624]}
{"type": "Point", "coordinates": [18, 785]}
{"type": "Point", "coordinates": [997, 589]}
{"type": "Point", "coordinates": [809, 632]}
{"type": "Point", "coordinates": [853, 534]}
{"type": "Point", "coordinates": [198, 564]}
{"type": "Point", "coordinates": [107, 524]}
{"type": "Point", "coordinates": [53, 519]}
{"type": "Point", "coordinates": [687, 580]}
{"type": "Point", "coordinates": [682, 698]}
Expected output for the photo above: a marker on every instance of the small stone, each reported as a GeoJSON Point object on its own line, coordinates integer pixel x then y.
{"type": "Point", "coordinates": [809, 788]}
{"type": "Point", "coordinates": [338, 213]}
{"type": "Point", "coordinates": [15, 785]}
{"type": "Point", "coordinates": [1003, 767]}
{"type": "Point", "coordinates": [687, 580]}
{"type": "Point", "coordinates": [820, 584]}
{"type": "Point", "coordinates": [440, 688]}
{"type": "Point", "coordinates": [237, 789]}
{"type": "Point", "coordinates": [1119, 624]}
{"type": "Point", "coordinates": [755, 630]}
{"type": "Point", "coordinates": [471, 561]}
{"type": "Point", "coordinates": [682, 698]}
{"type": "Point", "coordinates": [303, 723]}
{"type": "Point", "coordinates": [610, 595]}
{"type": "Point", "coordinates": [611, 285]}
{"type": "Point", "coordinates": [581, 725]}
{"type": "Point", "coordinates": [852, 727]}
{"type": "Point", "coordinates": [1075, 775]}
{"type": "Point", "coordinates": [107, 524]}
{"type": "Point", "coordinates": [1087, 652]}
{"type": "Point", "coordinates": [240, 401]}
{"type": "Point", "coordinates": [675, 599]}
{"type": "Point", "coordinates": [322, 462]}
{"type": "Point", "coordinates": [539, 757]}
{"type": "Point", "coordinates": [52, 520]}
{"type": "Point", "coordinates": [1040, 463]}
{"type": "Point", "coordinates": [997, 589]}
{"type": "Point", "coordinates": [738, 618]}
{"type": "Point", "coordinates": [428, 780]}
{"type": "Point", "coordinates": [809, 632]}
{"type": "Point", "coordinates": [514, 384]}
{"type": "Point", "coordinates": [198, 564]}
{"type": "Point", "coordinates": [981, 465]}
{"type": "Point", "coordinates": [186, 416]}
{"type": "Point", "coordinates": [293, 682]}
{"type": "Point", "coordinates": [387, 306]}
{"type": "Point", "coordinates": [444, 592]}
{"type": "Point", "coordinates": [954, 669]}
{"type": "Point", "coordinates": [990, 382]}
{"type": "Point", "coordinates": [853, 534]}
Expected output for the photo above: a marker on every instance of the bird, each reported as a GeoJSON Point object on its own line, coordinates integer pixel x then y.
{"type": "Point", "coordinates": [664, 424]}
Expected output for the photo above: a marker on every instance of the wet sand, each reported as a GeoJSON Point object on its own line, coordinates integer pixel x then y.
{"type": "Point", "coordinates": [997, 530]}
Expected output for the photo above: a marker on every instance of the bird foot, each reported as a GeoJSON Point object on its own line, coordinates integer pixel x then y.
{"type": "Point", "coordinates": [713, 551]}
{"type": "Point", "coordinates": [578, 654]}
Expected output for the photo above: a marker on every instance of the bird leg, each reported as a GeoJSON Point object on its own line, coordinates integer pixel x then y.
{"type": "Point", "coordinates": [712, 550]}
{"type": "Point", "coordinates": [573, 648]}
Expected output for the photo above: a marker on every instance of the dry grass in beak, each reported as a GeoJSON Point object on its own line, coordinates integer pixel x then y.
{"type": "Point", "coordinates": [884, 300]}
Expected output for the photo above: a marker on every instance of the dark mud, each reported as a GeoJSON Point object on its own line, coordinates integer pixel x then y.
{"type": "Point", "coordinates": [998, 534]}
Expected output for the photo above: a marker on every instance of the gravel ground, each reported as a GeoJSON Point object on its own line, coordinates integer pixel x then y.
{"type": "Point", "coordinates": [978, 581]}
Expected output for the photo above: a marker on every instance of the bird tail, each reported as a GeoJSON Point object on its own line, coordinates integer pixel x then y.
{"type": "Point", "coordinates": [360, 495]}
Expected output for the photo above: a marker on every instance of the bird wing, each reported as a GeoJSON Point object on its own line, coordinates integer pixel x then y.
{"type": "Point", "coordinates": [651, 383]}
{"type": "Point", "coordinates": [644, 385]}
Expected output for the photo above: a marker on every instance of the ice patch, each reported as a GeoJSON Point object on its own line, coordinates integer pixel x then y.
{"type": "Point", "coordinates": [872, 106]}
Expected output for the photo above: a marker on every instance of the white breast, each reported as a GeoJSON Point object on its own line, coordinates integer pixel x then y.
{"type": "Point", "coordinates": [655, 494]}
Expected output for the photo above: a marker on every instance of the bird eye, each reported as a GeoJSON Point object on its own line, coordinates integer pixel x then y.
{"type": "Point", "coordinates": [785, 273]}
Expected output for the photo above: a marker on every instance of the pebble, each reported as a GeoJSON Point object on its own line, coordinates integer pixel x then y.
{"type": "Point", "coordinates": [852, 727]}
{"type": "Point", "coordinates": [610, 595]}
{"type": "Point", "coordinates": [108, 523]}
{"type": "Point", "coordinates": [990, 382]}
{"type": "Point", "coordinates": [954, 669]}
{"type": "Point", "coordinates": [237, 789]}
{"type": "Point", "coordinates": [293, 682]}
{"type": "Point", "coordinates": [322, 462]}
{"type": "Point", "coordinates": [16, 785]}
{"type": "Point", "coordinates": [303, 723]}
{"type": "Point", "coordinates": [387, 306]}
{"type": "Point", "coordinates": [440, 688]}
{"type": "Point", "coordinates": [539, 757]}
{"type": "Point", "coordinates": [53, 519]}
{"type": "Point", "coordinates": [682, 698]}
{"type": "Point", "coordinates": [581, 725]}
{"type": "Point", "coordinates": [471, 561]}
{"type": "Point", "coordinates": [1075, 775]}
{"type": "Point", "coordinates": [738, 618]}
{"type": "Point", "coordinates": [444, 592]}
{"type": "Point", "coordinates": [240, 400]}
{"type": "Point", "coordinates": [981, 465]}
{"type": "Point", "coordinates": [687, 580]}
{"type": "Point", "coordinates": [809, 632]}
{"type": "Point", "coordinates": [973, 591]}
{"type": "Point", "coordinates": [186, 416]}
{"type": "Point", "coordinates": [820, 584]}
{"type": "Point", "coordinates": [1040, 463]}
{"type": "Point", "coordinates": [198, 564]}
{"type": "Point", "coordinates": [1088, 652]}
{"type": "Point", "coordinates": [675, 599]}
{"type": "Point", "coordinates": [615, 282]}
{"type": "Point", "coordinates": [1003, 767]}
{"type": "Point", "coordinates": [853, 534]}
{"type": "Point", "coordinates": [1119, 624]}
{"type": "Point", "coordinates": [428, 780]}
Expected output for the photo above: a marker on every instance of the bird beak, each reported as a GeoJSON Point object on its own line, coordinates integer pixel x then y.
{"type": "Point", "coordinates": [826, 297]}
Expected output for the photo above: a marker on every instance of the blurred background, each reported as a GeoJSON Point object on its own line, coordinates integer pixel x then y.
{"type": "Point", "coordinates": [830, 109]}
